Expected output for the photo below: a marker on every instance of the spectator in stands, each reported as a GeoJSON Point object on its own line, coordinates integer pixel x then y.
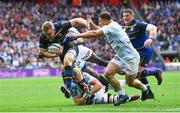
{"type": "Point", "coordinates": [20, 28]}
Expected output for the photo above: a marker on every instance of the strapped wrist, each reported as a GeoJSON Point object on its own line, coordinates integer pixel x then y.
{"type": "Point", "coordinates": [87, 95]}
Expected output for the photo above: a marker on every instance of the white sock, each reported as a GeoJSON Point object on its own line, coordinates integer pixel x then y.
{"type": "Point", "coordinates": [115, 98]}
{"type": "Point", "coordinates": [121, 92]}
{"type": "Point", "coordinates": [144, 88]}
{"type": "Point", "coordinates": [122, 83]}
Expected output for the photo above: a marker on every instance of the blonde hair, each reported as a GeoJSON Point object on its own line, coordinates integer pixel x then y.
{"type": "Point", "coordinates": [46, 26]}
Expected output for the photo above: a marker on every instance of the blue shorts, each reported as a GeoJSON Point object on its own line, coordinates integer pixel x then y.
{"type": "Point", "coordinates": [144, 60]}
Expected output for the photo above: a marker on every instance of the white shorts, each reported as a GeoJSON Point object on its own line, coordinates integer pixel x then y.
{"type": "Point", "coordinates": [100, 97]}
{"type": "Point", "coordinates": [81, 64]}
{"type": "Point", "coordinates": [130, 67]}
{"type": "Point", "coordinates": [84, 53]}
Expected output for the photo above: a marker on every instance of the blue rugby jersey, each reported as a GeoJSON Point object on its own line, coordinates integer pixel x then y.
{"type": "Point", "coordinates": [136, 32]}
{"type": "Point", "coordinates": [61, 29]}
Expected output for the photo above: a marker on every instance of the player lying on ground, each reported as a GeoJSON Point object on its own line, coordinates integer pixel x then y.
{"type": "Point", "coordinates": [126, 58]}
{"type": "Point", "coordinates": [92, 93]}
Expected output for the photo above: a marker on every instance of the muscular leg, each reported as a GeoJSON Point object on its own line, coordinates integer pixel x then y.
{"type": "Point", "coordinates": [143, 79]}
{"type": "Point", "coordinates": [68, 69]}
{"type": "Point", "coordinates": [91, 72]}
{"type": "Point", "coordinates": [100, 77]}
{"type": "Point", "coordinates": [146, 91]}
{"type": "Point", "coordinates": [132, 82]}
{"type": "Point", "coordinates": [95, 59]}
{"type": "Point", "coordinates": [110, 72]}
{"type": "Point", "coordinates": [143, 72]}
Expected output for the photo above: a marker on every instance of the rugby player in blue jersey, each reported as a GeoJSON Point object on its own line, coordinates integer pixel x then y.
{"type": "Point", "coordinates": [56, 33]}
{"type": "Point", "coordinates": [137, 33]}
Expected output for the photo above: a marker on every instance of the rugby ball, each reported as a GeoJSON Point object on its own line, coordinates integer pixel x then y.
{"type": "Point", "coordinates": [54, 47]}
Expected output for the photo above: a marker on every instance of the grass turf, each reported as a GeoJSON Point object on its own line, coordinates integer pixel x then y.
{"type": "Point", "coordinates": [41, 94]}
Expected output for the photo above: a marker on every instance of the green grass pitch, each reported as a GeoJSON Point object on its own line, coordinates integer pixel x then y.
{"type": "Point", "coordinates": [41, 94]}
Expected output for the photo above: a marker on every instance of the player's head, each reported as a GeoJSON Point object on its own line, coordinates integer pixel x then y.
{"type": "Point", "coordinates": [48, 29]}
{"type": "Point", "coordinates": [128, 15]}
{"type": "Point", "coordinates": [104, 18]}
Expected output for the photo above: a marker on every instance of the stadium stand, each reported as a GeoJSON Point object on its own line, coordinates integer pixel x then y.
{"type": "Point", "coordinates": [20, 24]}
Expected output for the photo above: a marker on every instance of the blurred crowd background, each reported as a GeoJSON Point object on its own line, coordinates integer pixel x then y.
{"type": "Point", "coordinates": [21, 20]}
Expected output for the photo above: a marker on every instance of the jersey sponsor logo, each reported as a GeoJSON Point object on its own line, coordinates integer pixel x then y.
{"type": "Point", "coordinates": [116, 58]}
{"type": "Point", "coordinates": [58, 33]}
{"type": "Point", "coordinates": [131, 29]}
{"type": "Point", "coordinates": [87, 55]}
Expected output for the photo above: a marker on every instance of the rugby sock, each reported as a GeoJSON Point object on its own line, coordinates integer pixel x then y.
{"type": "Point", "coordinates": [152, 72]}
{"type": "Point", "coordinates": [67, 76]}
{"type": "Point", "coordinates": [122, 92]}
{"type": "Point", "coordinates": [144, 88]}
{"type": "Point", "coordinates": [102, 63]}
{"type": "Point", "coordinates": [115, 98]}
{"type": "Point", "coordinates": [144, 80]}
{"type": "Point", "coordinates": [122, 82]}
{"type": "Point", "coordinates": [144, 73]}
{"type": "Point", "coordinates": [103, 80]}
{"type": "Point", "coordinates": [147, 72]}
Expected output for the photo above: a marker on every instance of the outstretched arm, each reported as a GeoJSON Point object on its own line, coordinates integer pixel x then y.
{"type": "Point", "coordinates": [152, 29]}
{"type": "Point", "coordinates": [91, 24]}
{"type": "Point", "coordinates": [89, 34]}
{"type": "Point", "coordinates": [46, 54]}
{"type": "Point", "coordinates": [78, 22]}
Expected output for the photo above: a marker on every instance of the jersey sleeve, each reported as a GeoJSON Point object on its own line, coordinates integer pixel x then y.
{"type": "Point", "coordinates": [75, 90]}
{"type": "Point", "coordinates": [42, 42]}
{"type": "Point", "coordinates": [143, 25]}
{"type": "Point", "coordinates": [106, 29]}
{"type": "Point", "coordinates": [73, 30]}
{"type": "Point", "coordinates": [63, 25]}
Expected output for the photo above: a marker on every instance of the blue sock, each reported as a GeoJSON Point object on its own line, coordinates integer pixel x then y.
{"type": "Point", "coordinates": [144, 80]}
{"type": "Point", "coordinates": [147, 72]}
{"type": "Point", "coordinates": [67, 75]}
{"type": "Point", "coordinates": [68, 82]}
{"type": "Point", "coordinates": [144, 73]}
{"type": "Point", "coordinates": [152, 72]}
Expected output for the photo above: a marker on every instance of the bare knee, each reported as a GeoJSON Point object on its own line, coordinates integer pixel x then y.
{"type": "Point", "coordinates": [130, 80]}
{"type": "Point", "coordinates": [108, 75]}
{"type": "Point", "coordinates": [68, 60]}
{"type": "Point", "coordinates": [130, 84]}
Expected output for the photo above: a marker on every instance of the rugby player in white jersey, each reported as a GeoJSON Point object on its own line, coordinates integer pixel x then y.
{"type": "Point", "coordinates": [126, 57]}
{"type": "Point", "coordinates": [93, 92]}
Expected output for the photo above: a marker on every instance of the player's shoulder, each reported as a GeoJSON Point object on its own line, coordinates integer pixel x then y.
{"type": "Point", "coordinates": [122, 23]}
{"type": "Point", "coordinates": [138, 22]}
{"type": "Point", "coordinates": [73, 30]}
{"type": "Point", "coordinates": [62, 24]}
{"type": "Point", "coordinates": [112, 25]}
{"type": "Point", "coordinates": [42, 37]}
